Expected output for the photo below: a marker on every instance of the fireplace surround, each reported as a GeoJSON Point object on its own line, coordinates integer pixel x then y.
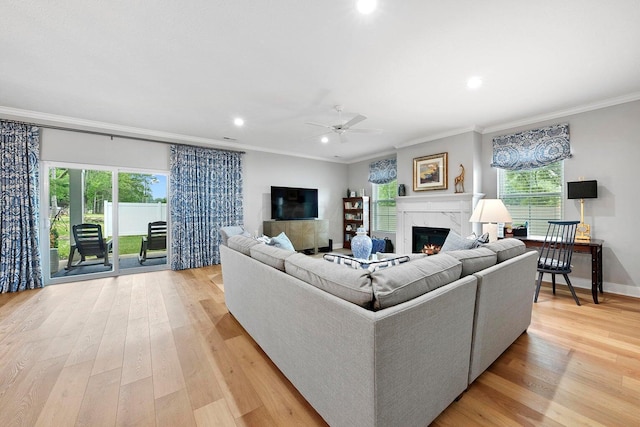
{"type": "Point", "coordinates": [450, 211]}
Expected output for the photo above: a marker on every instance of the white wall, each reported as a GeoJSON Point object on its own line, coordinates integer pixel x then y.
{"type": "Point", "coordinates": [77, 147]}
{"type": "Point", "coordinates": [606, 147]}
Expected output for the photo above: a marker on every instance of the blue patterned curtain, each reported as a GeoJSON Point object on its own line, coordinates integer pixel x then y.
{"type": "Point", "coordinates": [206, 194]}
{"type": "Point", "coordinates": [532, 149]}
{"type": "Point", "coordinates": [20, 267]}
{"type": "Point", "coordinates": [383, 171]}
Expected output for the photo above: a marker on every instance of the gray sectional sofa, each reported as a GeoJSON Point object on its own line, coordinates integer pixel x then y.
{"type": "Point", "coordinates": [391, 346]}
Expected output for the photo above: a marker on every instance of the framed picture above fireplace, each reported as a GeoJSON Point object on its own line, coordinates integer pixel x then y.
{"type": "Point", "coordinates": [430, 172]}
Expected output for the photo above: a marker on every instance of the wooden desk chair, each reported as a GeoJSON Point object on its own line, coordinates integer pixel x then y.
{"type": "Point", "coordinates": [156, 239]}
{"type": "Point", "coordinates": [555, 254]}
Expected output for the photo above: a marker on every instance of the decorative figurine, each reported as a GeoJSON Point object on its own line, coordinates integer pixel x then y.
{"type": "Point", "coordinates": [458, 181]}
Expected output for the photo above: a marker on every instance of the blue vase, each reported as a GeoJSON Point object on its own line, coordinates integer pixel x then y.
{"type": "Point", "coordinates": [361, 244]}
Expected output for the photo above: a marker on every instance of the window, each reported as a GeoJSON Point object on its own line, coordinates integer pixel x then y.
{"type": "Point", "coordinates": [384, 206]}
{"type": "Point", "coordinates": [533, 196]}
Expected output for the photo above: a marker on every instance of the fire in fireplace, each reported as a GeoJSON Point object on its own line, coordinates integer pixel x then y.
{"type": "Point", "coordinates": [428, 237]}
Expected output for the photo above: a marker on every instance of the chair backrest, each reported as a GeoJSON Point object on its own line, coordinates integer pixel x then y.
{"type": "Point", "coordinates": [89, 239]}
{"type": "Point", "coordinates": [157, 235]}
{"type": "Point", "coordinates": [557, 249]}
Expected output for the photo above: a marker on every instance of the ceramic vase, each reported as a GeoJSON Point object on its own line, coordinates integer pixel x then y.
{"type": "Point", "coordinates": [361, 244]}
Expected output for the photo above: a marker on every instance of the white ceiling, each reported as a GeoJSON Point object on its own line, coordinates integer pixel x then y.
{"type": "Point", "coordinates": [166, 68]}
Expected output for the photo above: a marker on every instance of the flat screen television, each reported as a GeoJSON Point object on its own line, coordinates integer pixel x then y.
{"type": "Point", "coordinates": [288, 203]}
{"type": "Point", "coordinates": [582, 189]}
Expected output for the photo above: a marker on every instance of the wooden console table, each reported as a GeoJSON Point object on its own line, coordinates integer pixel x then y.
{"type": "Point", "coordinates": [593, 247]}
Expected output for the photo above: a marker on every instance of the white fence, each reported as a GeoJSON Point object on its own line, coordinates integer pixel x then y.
{"type": "Point", "coordinates": [134, 217]}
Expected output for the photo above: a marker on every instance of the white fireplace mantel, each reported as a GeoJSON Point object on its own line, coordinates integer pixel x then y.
{"type": "Point", "coordinates": [434, 210]}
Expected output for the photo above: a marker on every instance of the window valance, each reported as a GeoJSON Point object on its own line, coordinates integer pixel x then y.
{"type": "Point", "coordinates": [383, 171]}
{"type": "Point", "coordinates": [532, 149]}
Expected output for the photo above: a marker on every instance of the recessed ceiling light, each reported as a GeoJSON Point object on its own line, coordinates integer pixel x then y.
{"type": "Point", "coordinates": [474, 82]}
{"type": "Point", "coordinates": [238, 121]}
{"type": "Point", "coordinates": [324, 139]}
{"type": "Point", "coordinates": [365, 7]}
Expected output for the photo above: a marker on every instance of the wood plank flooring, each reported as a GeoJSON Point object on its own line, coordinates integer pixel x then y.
{"type": "Point", "coordinates": [161, 349]}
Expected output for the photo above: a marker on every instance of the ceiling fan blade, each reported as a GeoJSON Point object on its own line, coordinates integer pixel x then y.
{"type": "Point", "coordinates": [357, 119]}
{"type": "Point", "coordinates": [359, 130]}
{"type": "Point", "coordinates": [319, 124]}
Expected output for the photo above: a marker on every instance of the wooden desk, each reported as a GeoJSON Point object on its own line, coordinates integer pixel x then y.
{"type": "Point", "coordinates": [593, 247]}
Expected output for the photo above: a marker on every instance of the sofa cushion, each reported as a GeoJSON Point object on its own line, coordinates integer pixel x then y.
{"type": "Point", "coordinates": [369, 265]}
{"type": "Point", "coordinates": [474, 260]}
{"type": "Point", "coordinates": [241, 243]}
{"type": "Point", "coordinates": [270, 255]}
{"type": "Point", "coordinates": [281, 241]}
{"type": "Point", "coordinates": [393, 286]}
{"type": "Point", "coordinates": [506, 248]}
{"type": "Point", "coordinates": [232, 230]}
{"type": "Point", "coordinates": [347, 283]}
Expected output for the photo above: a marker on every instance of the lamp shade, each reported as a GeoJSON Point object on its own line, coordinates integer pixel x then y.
{"type": "Point", "coordinates": [582, 189]}
{"type": "Point", "coordinates": [490, 210]}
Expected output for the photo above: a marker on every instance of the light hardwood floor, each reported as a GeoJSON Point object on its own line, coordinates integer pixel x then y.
{"type": "Point", "coordinates": [161, 349]}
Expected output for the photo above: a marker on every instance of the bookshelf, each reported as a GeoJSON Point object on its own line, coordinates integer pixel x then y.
{"type": "Point", "coordinates": [355, 214]}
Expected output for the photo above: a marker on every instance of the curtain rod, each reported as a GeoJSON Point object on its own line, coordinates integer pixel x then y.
{"type": "Point", "coordinates": [111, 135]}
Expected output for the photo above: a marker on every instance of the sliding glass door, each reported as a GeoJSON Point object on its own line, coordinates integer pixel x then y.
{"type": "Point", "coordinates": [142, 219]}
{"type": "Point", "coordinates": [97, 221]}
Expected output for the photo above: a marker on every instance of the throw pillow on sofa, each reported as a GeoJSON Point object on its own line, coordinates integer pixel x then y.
{"type": "Point", "coordinates": [455, 242]}
{"type": "Point", "coordinates": [281, 241]}
{"type": "Point", "coordinates": [369, 265]}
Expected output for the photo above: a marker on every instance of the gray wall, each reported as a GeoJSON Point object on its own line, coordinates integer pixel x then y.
{"type": "Point", "coordinates": [460, 149]}
{"type": "Point", "coordinates": [606, 147]}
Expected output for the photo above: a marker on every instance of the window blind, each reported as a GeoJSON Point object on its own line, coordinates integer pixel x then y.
{"type": "Point", "coordinates": [533, 196]}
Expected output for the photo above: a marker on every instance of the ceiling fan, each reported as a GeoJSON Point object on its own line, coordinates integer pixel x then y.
{"type": "Point", "coordinates": [342, 128]}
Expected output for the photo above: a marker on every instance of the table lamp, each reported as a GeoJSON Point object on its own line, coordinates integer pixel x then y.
{"type": "Point", "coordinates": [582, 190]}
{"type": "Point", "coordinates": [491, 212]}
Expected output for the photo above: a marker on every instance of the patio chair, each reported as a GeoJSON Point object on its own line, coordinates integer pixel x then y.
{"type": "Point", "coordinates": [156, 239]}
{"type": "Point", "coordinates": [89, 242]}
{"type": "Point", "coordinates": [555, 254]}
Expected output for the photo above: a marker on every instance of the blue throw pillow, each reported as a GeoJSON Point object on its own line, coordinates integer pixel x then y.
{"type": "Point", "coordinates": [282, 241]}
{"type": "Point", "coordinates": [455, 242]}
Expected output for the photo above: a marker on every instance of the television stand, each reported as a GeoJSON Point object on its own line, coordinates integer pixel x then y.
{"type": "Point", "coordinates": [305, 234]}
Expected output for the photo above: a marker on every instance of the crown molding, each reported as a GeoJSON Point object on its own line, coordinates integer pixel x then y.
{"type": "Point", "coordinates": [437, 136]}
{"type": "Point", "coordinates": [72, 123]}
{"type": "Point", "coordinates": [564, 113]}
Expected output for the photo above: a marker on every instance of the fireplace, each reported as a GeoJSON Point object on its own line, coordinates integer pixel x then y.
{"type": "Point", "coordinates": [427, 236]}
{"type": "Point", "coordinates": [450, 211]}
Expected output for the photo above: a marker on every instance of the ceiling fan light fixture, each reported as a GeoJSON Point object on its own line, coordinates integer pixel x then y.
{"type": "Point", "coordinates": [366, 7]}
